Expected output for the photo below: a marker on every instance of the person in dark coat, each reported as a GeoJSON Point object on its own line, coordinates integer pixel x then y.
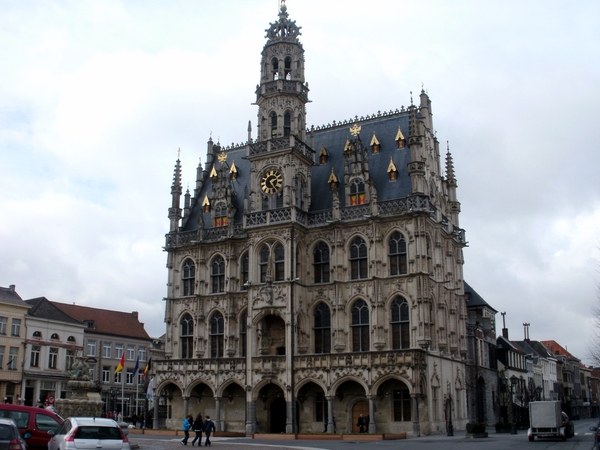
{"type": "Point", "coordinates": [208, 427]}
{"type": "Point", "coordinates": [197, 427]}
{"type": "Point", "coordinates": [361, 424]}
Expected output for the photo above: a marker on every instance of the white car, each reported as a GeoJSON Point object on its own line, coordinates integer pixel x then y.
{"type": "Point", "coordinates": [77, 433]}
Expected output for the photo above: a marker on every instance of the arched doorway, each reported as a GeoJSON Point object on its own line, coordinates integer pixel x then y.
{"type": "Point", "coordinates": [360, 407]}
{"type": "Point", "coordinates": [277, 415]}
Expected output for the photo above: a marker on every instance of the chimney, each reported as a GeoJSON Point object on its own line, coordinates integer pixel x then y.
{"type": "Point", "coordinates": [505, 333]}
{"type": "Point", "coordinates": [135, 314]}
{"type": "Point", "coordinates": [11, 288]}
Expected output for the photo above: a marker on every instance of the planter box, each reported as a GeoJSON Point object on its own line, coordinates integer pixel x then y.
{"type": "Point", "coordinates": [281, 436]}
{"type": "Point", "coordinates": [320, 437]}
{"type": "Point", "coordinates": [362, 437]}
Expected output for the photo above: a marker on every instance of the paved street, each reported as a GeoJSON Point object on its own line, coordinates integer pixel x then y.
{"type": "Point", "coordinates": [583, 440]}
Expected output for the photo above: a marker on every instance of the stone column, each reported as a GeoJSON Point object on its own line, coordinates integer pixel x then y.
{"type": "Point", "coordinates": [250, 418]}
{"type": "Point", "coordinates": [415, 415]}
{"type": "Point", "coordinates": [289, 424]}
{"type": "Point", "coordinates": [186, 405]}
{"type": "Point", "coordinates": [330, 423]}
{"type": "Point", "coordinates": [155, 420]}
{"type": "Point", "coordinates": [218, 414]}
{"type": "Point", "coordinates": [372, 426]}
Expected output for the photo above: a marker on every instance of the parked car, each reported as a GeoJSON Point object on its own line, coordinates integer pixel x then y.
{"type": "Point", "coordinates": [569, 426]}
{"type": "Point", "coordinates": [10, 437]}
{"type": "Point", "coordinates": [88, 433]}
{"type": "Point", "coordinates": [33, 423]}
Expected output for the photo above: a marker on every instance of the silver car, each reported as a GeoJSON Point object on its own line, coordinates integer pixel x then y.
{"type": "Point", "coordinates": [77, 433]}
{"type": "Point", "coordinates": [10, 437]}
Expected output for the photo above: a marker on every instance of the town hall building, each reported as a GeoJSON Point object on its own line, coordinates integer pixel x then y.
{"type": "Point", "coordinates": [315, 273]}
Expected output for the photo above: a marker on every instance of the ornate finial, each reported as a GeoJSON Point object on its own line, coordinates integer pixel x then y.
{"type": "Point", "coordinates": [178, 152]}
{"type": "Point", "coordinates": [411, 99]}
{"type": "Point", "coordinates": [355, 129]}
{"type": "Point", "coordinates": [222, 157]}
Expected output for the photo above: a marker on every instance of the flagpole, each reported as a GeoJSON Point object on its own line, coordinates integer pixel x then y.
{"type": "Point", "coordinates": [123, 372]}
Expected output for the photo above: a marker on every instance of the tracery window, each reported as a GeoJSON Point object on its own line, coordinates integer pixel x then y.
{"type": "Point", "coordinates": [216, 335]}
{"type": "Point", "coordinates": [275, 68]}
{"type": "Point", "coordinates": [321, 263]}
{"type": "Point", "coordinates": [358, 259]}
{"type": "Point", "coordinates": [322, 328]}
{"type": "Point", "coordinates": [273, 125]}
{"type": "Point", "coordinates": [217, 275]}
{"type": "Point", "coordinates": [221, 215]}
{"type": "Point", "coordinates": [244, 271]}
{"type": "Point", "coordinates": [288, 67]}
{"type": "Point", "coordinates": [244, 332]}
{"type": "Point", "coordinates": [357, 192]}
{"type": "Point", "coordinates": [360, 326]}
{"type": "Point", "coordinates": [287, 123]}
{"type": "Point", "coordinates": [401, 399]}
{"type": "Point", "coordinates": [264, 263]}
{"type": "Point", "coordinates": [400, 324]}
{"type": "Point", "coordinates": [187, 336]}
{"type": "Point", "coordinates": [397, 254]}
{"type": "Point", "coordinates": [279, 262]}
{"type": "Point", "coordinates": [189, 277]}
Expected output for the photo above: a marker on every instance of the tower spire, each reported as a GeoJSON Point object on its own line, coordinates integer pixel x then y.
{"type": "Point", "coordinates": [176, 190]}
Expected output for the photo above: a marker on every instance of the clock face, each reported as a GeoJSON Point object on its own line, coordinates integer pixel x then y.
{"type": "Point", "coordinates": [271, 182]}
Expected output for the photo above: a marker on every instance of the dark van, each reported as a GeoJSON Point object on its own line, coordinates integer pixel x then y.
{"type": "Point", "coordinates": [33, 423]}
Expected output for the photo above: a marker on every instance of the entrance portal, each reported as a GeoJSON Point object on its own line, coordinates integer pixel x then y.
{"type": "Point", "coordinates": [278, 415]}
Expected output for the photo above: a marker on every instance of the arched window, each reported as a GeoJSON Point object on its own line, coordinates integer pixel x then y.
{"type": "Point", "coordinates": [55, 337]}
{"type": "Point", "coordinates": [221, 215]}
{"type": "Point", "coordinates": [189, 277]}
{"type": "Point", "coordinates": [264, 263]}
{"type": "Point", "coordinates": [322, 328]}
{"type": "Point", "coordinates": [397, 247]}
{"type": "Point", "coordinates": [187, 336]}
{"type": "Point", "coordinates": [288, 67]}
{"type": "Point", "coordinates": [401, 399]}
{"type": "Point", "coordinates": [287, 123]}
{"type": "Point", "coordinates": [71, 339]}
{"type": "Point", "coordinates": [358, 259]}
{"type": "Point", "coordinates": [357, 192]}
{"type": "Point", "coordinates": [244, 271]}
{"type": "Point", "coordinates": [37, 334]}
{"type": "Point", "coordinates": [400, 324]}
{"type": "Point", "coordinates": [279, 263]}
{"type": "Point", "coordinates": [275, 68]}
{"type": "Point", "coordinates": [360, 326]}
{"type": "Point", "coordinates": [273, 125]}
{"type": "Point", "coordinates": [244, 332]}
{"type": "Point", "coordinates": [217, 275]}
{"type": "Point", "coordinates": [300, 193]}
{"type": "Point", "coordinates": [321, 263]}
{"type": "Point", "coordinates": [216, 335]}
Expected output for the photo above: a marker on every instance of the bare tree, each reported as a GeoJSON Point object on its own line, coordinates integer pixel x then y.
{"type": "Point", "coordinates": [594, 343]}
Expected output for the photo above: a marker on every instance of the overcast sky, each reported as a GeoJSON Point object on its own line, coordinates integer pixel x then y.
{"type": "Point", "coordinates": [96, 97]}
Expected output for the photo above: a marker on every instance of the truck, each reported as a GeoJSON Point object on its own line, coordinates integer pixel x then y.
{"type": "Point", "coordinates": [546, 419]}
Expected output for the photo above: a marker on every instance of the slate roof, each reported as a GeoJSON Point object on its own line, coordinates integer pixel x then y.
{"type": "Point", "coordinates": [333, 138]}
{"type": "Point", "coordinates": [43, 308]}
{"type": "Point", "coordinates": [115, 323]}
{"type": "Point", "coordinates": [474, 300]}
{"type": "Point", "coordinates": [9, 295]}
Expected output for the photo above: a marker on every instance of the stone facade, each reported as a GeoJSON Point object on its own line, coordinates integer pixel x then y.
{"type": "Point", "coordinates": [315, 274]}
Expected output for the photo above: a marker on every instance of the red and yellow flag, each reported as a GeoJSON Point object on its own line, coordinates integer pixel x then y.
{"type": "Point", "coordinates": [121, 364]}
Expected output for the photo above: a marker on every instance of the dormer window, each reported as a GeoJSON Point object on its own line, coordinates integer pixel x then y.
{"type": "Point", "coordinates": [400, 138]}
{"type": "Point", "coordinates": [233, 172]}
{"type": "Point", "coordinates": [392, 171]}
{"type": "Point", "coordinates": [357, 192]}
{"type": "Point", "coordinates": [206, 204]}
{"type": "Point", "coordinates": [323, 155]}
{"type": "Point", "coordinates": [374, 144]}
{"type": "Point", "coordinates": [88, 323]}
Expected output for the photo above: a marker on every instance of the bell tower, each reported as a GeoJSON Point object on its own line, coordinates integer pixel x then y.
{"type": "Point", "coordinates": [281, 160]}
{"type": "Point", "coordinates": [282, 94]}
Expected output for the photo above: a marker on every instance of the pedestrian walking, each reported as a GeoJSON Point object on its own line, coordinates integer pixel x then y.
{"type": "Point", "coordinates": [197, 427]}
{"type": "Point", "coordinates": [187, 424]}
{"type": "Point", "coordinates": [208, 427]}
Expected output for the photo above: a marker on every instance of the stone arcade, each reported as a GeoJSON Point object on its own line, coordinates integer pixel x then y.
{"type": "Point", "coordinates": [315, 274]}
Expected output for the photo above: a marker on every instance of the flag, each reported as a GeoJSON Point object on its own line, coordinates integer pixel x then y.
{"type": "Point", "coordinates": [121, 364]}
{"type": "Point", "coordinates": [148, 367]}
{"type": "Point", "coordinates": [137, 366]}
{"type": "Point", "coordinates": [150, 390]}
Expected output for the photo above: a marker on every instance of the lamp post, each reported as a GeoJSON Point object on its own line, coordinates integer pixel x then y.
{"type": "Point", "coordinates": [513, 382]}
{"type": "Point", "coordinates": [113, 398]}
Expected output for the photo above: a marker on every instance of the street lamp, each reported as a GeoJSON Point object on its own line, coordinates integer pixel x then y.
{"type": "Point", "coordinates": [513, 382]}
{"type": "Point", "coordinates": [112, 392]}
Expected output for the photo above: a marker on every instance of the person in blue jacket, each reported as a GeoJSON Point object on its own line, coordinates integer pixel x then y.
{"type": "Point", "coordinates": [187, 424]}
